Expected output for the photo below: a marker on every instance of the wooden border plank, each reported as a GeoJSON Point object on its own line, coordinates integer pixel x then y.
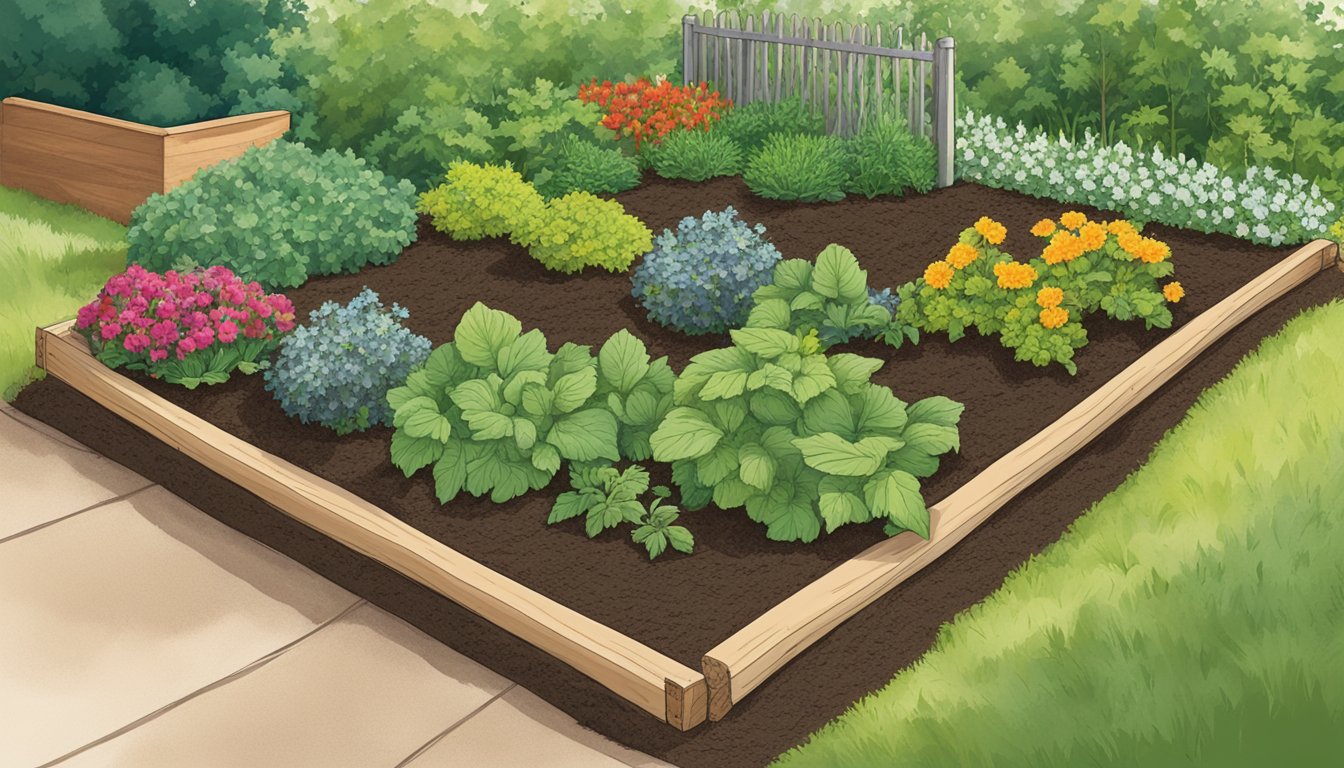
{"type": "Point", "coordinates": [740, 664]}
{"type": "Point", "coordinates": [661, 686]}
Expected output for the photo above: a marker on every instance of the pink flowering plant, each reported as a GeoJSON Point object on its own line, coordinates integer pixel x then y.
{"type": "Point", "coordinates": [190, 328]}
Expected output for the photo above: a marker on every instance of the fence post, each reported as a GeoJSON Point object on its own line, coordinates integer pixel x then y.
{"type": "Point", "coordinates": [944, 110]}
{"type": "Point", "coordinates": [688, 73]}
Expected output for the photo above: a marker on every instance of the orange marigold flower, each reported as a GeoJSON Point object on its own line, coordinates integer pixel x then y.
{"type": "Point", "coordinates": [1064, 247]}
{"type": "Point", "coordinates": [1093, 236]}
{"type": "Point", "coordinates": [938, 275]}
{"type": "Point", "coordinates": [1120, 227]}
{"type": "Point", "coordinates": [1173, 292]}
{"type": "Point", "coordinates": [1153, 251]}
{"type": "Point", "coordinates": [1054, 317]}
{"type": "Point", "coordinates": [1043, 228]}
{"type": "Point", "coordinates": [1049, 296]}
{"type": "Point", "coordinates": [1073, 219]}
{"type": "Point", "coordinates": [1131, 242]}
{"type": "Point", "coordinates": [962, 255]}
{"type": "Point", "coordinates": [1014, 275]}
{"type": "Point", "coordinates": [991, 230]}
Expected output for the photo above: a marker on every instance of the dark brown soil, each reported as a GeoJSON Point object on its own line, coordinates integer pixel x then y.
{"type": "Point", "coordinates": [683, 605]}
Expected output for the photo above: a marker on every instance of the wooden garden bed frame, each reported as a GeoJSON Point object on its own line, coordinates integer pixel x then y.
{"type": "Point", "coordinates": [672, 692]}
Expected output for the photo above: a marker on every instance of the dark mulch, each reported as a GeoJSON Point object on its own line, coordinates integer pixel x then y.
{"type": "Point", "coordinates": [682, 606]}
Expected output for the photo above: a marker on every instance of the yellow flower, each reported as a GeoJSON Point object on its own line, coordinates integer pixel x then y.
{"type": "Point", "coordinates": [1120, 227]}
{"type": "Point", "coordinates": [1054, 317]}
{"type": "Point", "coordinates": [1093, 236]}
{"type": "Point", "coordinates": [1073, 219]}
{"type": "Point", "coordinates": [962, 255]}
{"type": "Point", "coordinates": [1063, 247]}
{"type": "Point", "coordinates": [1131, 242]}
{"type": "Point", "coordinates": [1153, 251]}
{"type": "Point", "coordinates": [1014, 275]}
{"type": "Point", "coordinates": [1173, 292]}
{"type": "Point", "coordinates": [1043, 228]}
{"type": "Point", "coordinates": [1049, 297]}
{"type": "Point", "coordinates": [992, 230]}
{"type": "Point", "coordinates": [938, 275]}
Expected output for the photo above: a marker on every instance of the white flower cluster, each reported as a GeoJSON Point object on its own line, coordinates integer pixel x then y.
{"type": "Point", "coordinates": [1262, 206]}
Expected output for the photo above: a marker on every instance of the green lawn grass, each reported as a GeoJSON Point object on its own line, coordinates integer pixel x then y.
{"type": "Point", "coordinates": [53, 258]}
{"type": "Point", "coordinates": [1195, 616]}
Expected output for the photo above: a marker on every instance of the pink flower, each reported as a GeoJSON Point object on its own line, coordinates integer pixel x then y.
{"type": "Point", "coordinates": [110, 331]}
{"type": "Point", "coordinates": [157, 355]}
{"type": "Point", "coordinates": [136, 342]}
{"type": "Point", "coordinates": [142, 322]}
{"type": "Point", "coordinates": [228, 332]}
{"type": "Point", "coordinates": [126, 316]}
{"type": "Point", "coordinates": [86, 315]}
{"type": "Point", "coordinates": [255, 329]}
{"type": "Point", "coordinates": [203, 337]}
{"type": "Point", "coordinates": [165, 309]}
{"type": "Point", "coordinates": [164, 332]}
{"type": "Point", "coordinates": [195, 320]}
{"type": "Point", "coordinates": [185, 347]}
{"type": "Point", "coordinates": [203, 299]}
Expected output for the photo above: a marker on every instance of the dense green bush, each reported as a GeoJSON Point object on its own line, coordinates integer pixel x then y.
{"type": "Point", "coordinates": [336, 370]}
{"type": "Point", "coordinates": [751, 124]}
{"type": "Point", "coordinates": [582, 230]}
{"type": "Point", "coordinates": [799, 167]}
{"type": "Point", "coordinates": [581, 166]}
{"type": "Point", "coordinates": [480, 201]}
{"type": "Point", "coordinates": [162, 62]}
{"type": "Point", "coordinates": [695, 155]}
{"type": "Point", "coordinates": [830, 299]}
{"type": "Point", "coordinates": [885, 158]}
{"type": "Point", "coordinates": [278, 214]}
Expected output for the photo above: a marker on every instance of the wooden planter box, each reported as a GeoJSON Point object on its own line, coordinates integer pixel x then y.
{"type": "Point", "coordinates": [111, 166]}
{"type": "Point", "coordinates": [672, 692]}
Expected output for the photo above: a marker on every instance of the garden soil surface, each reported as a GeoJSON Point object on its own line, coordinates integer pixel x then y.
{"type": "Point", "coordinates": [684, 605]}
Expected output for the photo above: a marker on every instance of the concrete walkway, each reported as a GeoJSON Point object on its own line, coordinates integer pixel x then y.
{"type": "Point", "coordinates": [137, 631]}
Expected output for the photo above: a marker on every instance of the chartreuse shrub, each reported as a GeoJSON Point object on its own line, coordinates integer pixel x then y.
{"type": "Point", "coordinates": [582, 166]}
{"type": "Point", "coordinates": [695, 155]}
{"type": "Point", "coordinates": [189, 328]}
{"type": "Point", "coordinates": [336, 370]}
{"type": "Point", "coordinates": [749, 125]}
{"type": "Point", "coordinates": [800, 439]}
{"type": "Point", "coordinates": [583, 230]}
{"type": "Point", "coordinates": [1038, 307]}
{"type": "Point", "coordinates": [885, 158]}
{"type": "Point", "coordinates": [799, 167]}
{"type": "Point", "coordinates": [479, 201]}
{"type": "Point", "coordinates": [831, 299]}
{"type": "Point", "coordinates": [277, 215]}
{"type": "Point", "coordinates": [494, 411]}
{"type": "Point", "coordinates": [700, 279]}
{"type": "Point", "coordinates": [608, 497]}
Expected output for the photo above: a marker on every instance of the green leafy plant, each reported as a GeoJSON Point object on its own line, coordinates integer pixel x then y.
{"type": "Point", "coordinates": [582, 166]}
{"type": "Point", "coordinates": [750, 125]}
{"type": "Point", "coordinates": [885, 158]}
{"type": "Point", "coordinates": [656, 530]}
{"type": "Point", "coordinates": [636, 389]}
{"type": "Point", "coordinates": [831, 299]}
{"type": "Point", "coordinates": [495, 412]}
{"type": "Point", "coordinates": [582, 230]}
{"type": "Point", "coordinates": [800, 439]}
{"type": "Point", "coordinates": [480, 201]}
{"type": "Point", "coordinates": [608, 497]}
{"type": "Point", "coordinates": [695, 155]}
{"type": "Point", "coordinates": [798, 167]}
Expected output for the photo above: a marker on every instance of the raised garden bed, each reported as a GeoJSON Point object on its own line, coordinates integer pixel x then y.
{"type": "Point", "coordinates": [684, 606]}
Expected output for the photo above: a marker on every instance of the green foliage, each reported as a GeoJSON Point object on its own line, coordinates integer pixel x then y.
{"type": "Point", "coordinates": [695, 155]}
{"type": "Point", "coordinates": [581, 166]}
{"type": "Point", "coordinates": [636, 389]}
{"type": "Point", "coordinates": [278, 214]}
{"type": "Point", "coordinates": [495, 412]}
{"type": "Point", "coordinates": [798, 167]}
{"type": "Point", "coordinates": [885, 158]}
{"type": "Point", "coordinates": [656, 530]}
{"type": "Point", "coordinates": [582, 230]}
{"type": "Point", "coordinates": [799, 439]}
{"type": "Point", "coordinates": [749, 125]}
{"type": "Point", "coordinates": [481, 201]}
{"type": "Point", "coordinates": [830, 300]}
{"type": "Point", "coordinates": [608, 497]}
{"type": "Point", "coordinates": [161, 62]}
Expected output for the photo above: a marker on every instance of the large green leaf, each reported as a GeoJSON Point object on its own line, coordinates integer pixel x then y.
{"type": "Point", "coordinates": [813, 378]}
{"type": "Point", "coordinates": [536, 399]}
{"type": "Point", "coordinates": [412, 407]}
{"type": "Point", "coordinates": [428, 422]}
{"type": "Point", "coordinates": [724, 384]}
{"type": "Point", "coordinates": [774, 408]}
{"type": "Point", "coordinates": [771, 313]}
{"type": "Point", "coordinates": [527, 353]}
{"type": "Point", "coordinates": [477, 395]}
{"type": "Point", "coordinates": [585, 435]}
{"type": "Point", "coordinates": [756, 467]}
{"type": "Point", "coordinates": [793, 274]}
{"type": "Point", "coordinates": [770, 375]}
{"type": "Point", "coordinates": [488, 425]}
{"type": "Point", "coordinates": [412, 453]}
{"type": "Point", "coordinates": [895, 494]}
{"type": "Point", "coordinates": [834, 455]}
{"type": "Point", "coordinates": [719, 463]}
{"type": "Point", "coordinates": [766, 342]}
{"type": "Point", "coordinates": [450, 472]}
{"type": "Point", "coordinates": [641, 408]}
{"type": "Point", "coordinates": [829, 412]}
{"type": "Point", "coordinates": [879, 412]}
{"type": "Point", "coordinates": [932, 439]}
{"type": "Point", "coordinates": [838, 275]}
{"type": "Point", "coordinates": [684, 434]}
{"type": "Point", "coordinates": [546, 458]}
{"type": "Point", "coordinates": [841, 508]}
{"type": "Point", "coordinates": [573, 390]}
{"type": "Point", "coordinates": [482, 332]}
{"type": "Point", "coordinates": [936, 410]}
{"type": "Point", "coordinates": [624, 360]}
{"type": "Point", "coordinates": [445, 367]}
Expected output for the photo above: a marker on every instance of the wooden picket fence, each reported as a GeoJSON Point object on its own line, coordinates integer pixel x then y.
{"type": "Point", "coordinates": [841, 69]}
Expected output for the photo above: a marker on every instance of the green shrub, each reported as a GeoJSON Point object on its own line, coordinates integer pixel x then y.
{"type": "Point", "coordinates": [884, 158]}
{"type": "Point", "coordinates": [162, 62]}
{"type": "Point", "coordinates": [830, 299]}
{"type": "Point", "coordinates": [581, 166]}
{"type": "Point", "coordinates": [798, 167]}
{"type": "Point", "coordinates": [750, 125]}
{"type": "Point", "coordinates": [582, 230]}
{"type": "Point", "coordinates": [481, 201]}
{"type": "Point", "coordinates": [695, 155]}
{"type": "Point", "coordinates": [278, 214]}
{"type": "Point", "coordinates": [608, 497]}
